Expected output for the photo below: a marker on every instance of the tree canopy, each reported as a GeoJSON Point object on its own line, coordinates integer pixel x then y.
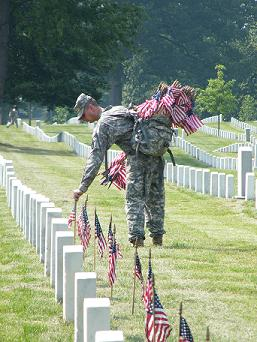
{"type": "Point", "coordinates": [185, 40]}
{"type": "Point", "coordinates": [58, 49]}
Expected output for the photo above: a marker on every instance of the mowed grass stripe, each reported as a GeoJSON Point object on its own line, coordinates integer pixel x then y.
{"type": "Point", "coordinates": [209, 257]}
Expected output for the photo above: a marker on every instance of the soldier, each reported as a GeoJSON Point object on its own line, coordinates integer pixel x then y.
{"type": "Point", "coordinates": [13, 115]}
{"type": "Point", "coordinates": [145, 183]}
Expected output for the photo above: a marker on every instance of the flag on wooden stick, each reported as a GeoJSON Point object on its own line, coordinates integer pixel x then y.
{"type": "Point", "coordinates": [157, 327]}
{"type": "Point", "coordinates": [99, 236]}
{"type": "Point", "coordinates": [207, 334]}
{"type": "Point", "coordinates": [84, 229]}
{"type": "Point", "coordinates": [112, 263]}
{"type": "Point", "coordinates": [185, 334]}
{"type": "Point", "coordinates": [138, 270]}
{"type": "Point", "coordinates": [148, 294]}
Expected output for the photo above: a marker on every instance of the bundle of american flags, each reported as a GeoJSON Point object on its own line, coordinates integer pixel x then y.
{"type": "Point", "coordinates": [176, 102]}
{"type": "Point", "coordinates": [99, 236]}
{"type": "Point", "coordinates": [84, 229]}
{"type": "Point", "coordinates": [116, 173]}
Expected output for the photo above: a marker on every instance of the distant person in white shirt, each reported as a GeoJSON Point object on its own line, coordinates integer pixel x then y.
{"type": "Point", "coordinates": [13, 116]}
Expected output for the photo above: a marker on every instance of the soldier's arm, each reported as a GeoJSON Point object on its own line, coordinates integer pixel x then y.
{"type": "Point", "coordinates": [102, 140]}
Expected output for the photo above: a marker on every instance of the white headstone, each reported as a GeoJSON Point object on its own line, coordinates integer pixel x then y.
{"type": "Point", "coordinates": [180, 170]}
{"type": "Point", "coordinates": [61, 239]}
{"type": "Point", "coordinates": [50, 214]}
{"type": "Point", "coordinates": [27, 208]}
{"type": "Point", "coordinates": [192, 178]}
{"type": "Point", "coordinates": [214, 184]}
{"type": "Point", "coordinates": [221, 185]}
{"type": "Point", "coordinates": [42, 229]}
{"type": "Point", "coordinates": [58, 224]}
{"type": "Point", "coordinates": [39, 201]}
{"type": "Point", "coordinates": [230, 188]}
{"type": "Point", "coordinates": [72, 263]}
{"type": "Point", "coordinates": [206, 182]}
{"type": "Point", "coordinates": [198, 180]}
{"type": "Point", "coordinates": [85, 287]}
{"type": "Point", "coordinates": [186, 176]}
{"type": "Point", "coordinates": [244, 166]}
{"type": "Point", "coordinates": [250, 186]}
{"type": "Point", "coordinates": [96, 317]}
{"type": "Point", "coordinates": [255, 155]}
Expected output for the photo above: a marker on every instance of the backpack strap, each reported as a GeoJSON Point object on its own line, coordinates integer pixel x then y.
{"type": "Point", "coordinates": [171, 156]}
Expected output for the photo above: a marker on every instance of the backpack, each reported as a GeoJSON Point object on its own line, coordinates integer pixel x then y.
{"type": "Point", "coordinates": [152, 136]}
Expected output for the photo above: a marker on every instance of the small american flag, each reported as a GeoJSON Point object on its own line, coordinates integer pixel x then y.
{"type": "Point", "coordinates": [138, 270]}
{"type": "Point", "coordinates": [157, 327]}
{"type": "Point", "coordinates": [112, 263]}
{"type": "Point", "coordinates": [71, 218]}
{"type": "Point", "coordinates": [100, 237]}
{"type": "Point", "coordinates": [148, 294]}
{"type": "Point", "coordinates": [110, 237]}
{"type": "Point", "coordinates": [84, 229]}
{"type": "Point", "coordinates": [184, 331]}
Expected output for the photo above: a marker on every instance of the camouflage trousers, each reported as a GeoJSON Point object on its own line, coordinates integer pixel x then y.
{"type": "Point", "coordinates": [145, 195]}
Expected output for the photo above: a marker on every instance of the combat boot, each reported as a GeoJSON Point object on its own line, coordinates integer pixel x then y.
{"type": "Point", "coordinates": [157, 240]}
{"type": "Point", "coordinates": [137, 242]}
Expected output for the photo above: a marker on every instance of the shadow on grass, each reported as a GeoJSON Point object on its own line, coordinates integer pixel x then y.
{"type": "Point", "coordinates": [34, 150]}
{"type": "Point", "coordinates": [181, 246]}
{"type": "Point", "coordinates": [135, 338]}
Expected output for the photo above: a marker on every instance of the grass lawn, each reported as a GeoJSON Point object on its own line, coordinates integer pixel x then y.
{"type": "Point", "coordinates": [208, 260]}
{"type": "Point", "coordinates": [28, 311]}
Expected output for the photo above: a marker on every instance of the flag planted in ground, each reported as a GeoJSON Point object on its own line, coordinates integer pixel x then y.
{"type": "Point", "coordinates": [184, 331]}
{"type": "Point", "coordinates": [138, 270]}
{"type": "Point", "coordinates": [99, 236]}
{"type": "Point", "coordinates": [157, 327]}
{"type": "Point", "coordinates": [84, 229]}
{"type": "Point", "coordinates": [148, 294]}
{"type": "Point", "coordinates": [112, 263]}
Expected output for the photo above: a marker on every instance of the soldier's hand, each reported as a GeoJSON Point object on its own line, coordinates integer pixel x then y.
{"type": "Point", "coordinates": [76, 194]}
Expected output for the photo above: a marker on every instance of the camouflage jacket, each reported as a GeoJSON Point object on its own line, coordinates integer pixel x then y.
{"type": "Point", "coordinates": [115, 126]}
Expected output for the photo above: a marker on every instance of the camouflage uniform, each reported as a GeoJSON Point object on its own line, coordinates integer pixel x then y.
{"type": "Point", "coordinates": [145, 187]}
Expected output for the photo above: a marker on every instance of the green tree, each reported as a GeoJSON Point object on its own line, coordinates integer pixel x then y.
{"type": "Point", "coordinates": [61, 115]}
{"type": "Point", "coordinates": [217, 98]}
{"type": "Point", "coordinates": [248, 109]}
{"type": "Point", "coordinates": [4, 38]}
{"type": "Point", "coordinates": [185, 39]}
{"type": "Point", "coordinates": [58, 49]}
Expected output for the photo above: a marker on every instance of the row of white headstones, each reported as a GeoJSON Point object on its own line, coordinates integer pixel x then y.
{"type": "Point", "coordinates": [221, 133]}
{"type": "Point", "coordinates": [216, 184]}
{"type": "Point", "coordinates": [43, 226]}
{"type": "Point", "coordinates": [226, 163]}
